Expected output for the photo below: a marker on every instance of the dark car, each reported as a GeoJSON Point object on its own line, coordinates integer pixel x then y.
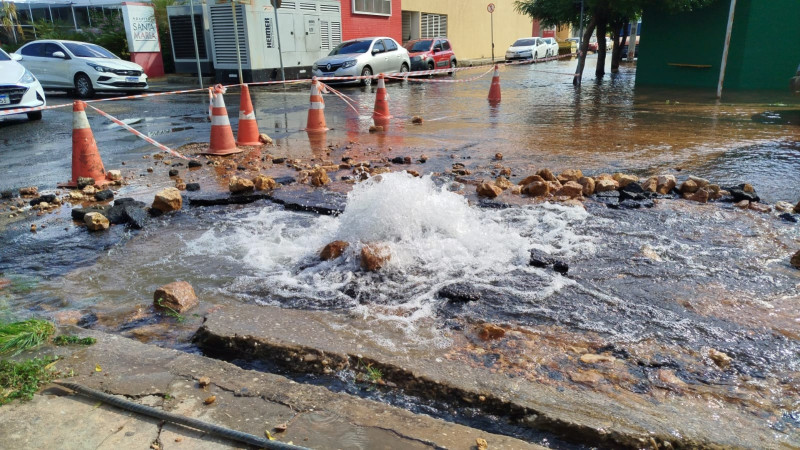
{"type": "Point", "coordinates": [430, 54]}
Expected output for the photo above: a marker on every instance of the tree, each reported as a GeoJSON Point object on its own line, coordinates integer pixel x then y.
{"type": "Point", "coordinates": [10, 23]}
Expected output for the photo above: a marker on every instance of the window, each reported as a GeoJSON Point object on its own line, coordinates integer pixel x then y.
{"type": "Point", "coordinates": [433, 25]}
{"type": "Point", "coordinates": [49, 49]}
{"type": "Point", "coordinates": [437, 47]}
{"type": "Point", "coordinates": [351, 47]}
{"type": "Point", "coordinates": [377, 7]}
{"type": "Point", "coordinates": [378, 47]}
{"type": "Point", "coordinates": [32, 50]}
{"type": "Point", "coordinates": [4, 56]}
{"type": "Point", "coordinates": [89, 51]}
{"type": "Point", "coordinates": [446, 45]}
{"type": "Point", "coordinates": [390, 45]}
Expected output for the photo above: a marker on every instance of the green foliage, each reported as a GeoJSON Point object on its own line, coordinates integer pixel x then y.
{"type": "Point", "coordinates": [22, 379]}
{"type": "Point", "coordinates": [9, 24]}
{"type": "Point", "coordinates": [19, 336]}
{"type": "Point", "coordinates": [563, 12]}
{"type": "Point", "coordinates": [109, 33]}
{"type": "Point", "coordinates": [70, 340]}
{"type": "Point", "coordinates": [371, 374]}
{"type": "Point", "coordinates": [180, 318]}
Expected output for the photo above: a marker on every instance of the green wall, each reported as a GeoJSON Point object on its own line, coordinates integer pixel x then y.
{"type": "Point", "coordinates": [764, 52]}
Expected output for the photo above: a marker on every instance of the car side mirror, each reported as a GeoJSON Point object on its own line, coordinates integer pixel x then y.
{"type": "Point", "coordinates": [59, 55]}
{"type": "Point", "coordinates": [375, 51]}
{"type": "Point", "coordinates": [436, 50]}
{"type": "Point", "coordinates": [16, 57]}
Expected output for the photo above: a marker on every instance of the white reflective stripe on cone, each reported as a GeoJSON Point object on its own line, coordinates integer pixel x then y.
{"type": "Point", "coordinates": [218, 101]}
{"type": "Point", "coordinates": [381, 84]}
{"type": "Point", "coordinates": [317, 105]}
{"type": "Point", "coordinates": [79, 120]}
{"type": "Point", "coordinates": [245, 116]}
{"type": "Point", "coordinates": [220, 121]}
{"type": "Point", "coordinates": [314, 89]}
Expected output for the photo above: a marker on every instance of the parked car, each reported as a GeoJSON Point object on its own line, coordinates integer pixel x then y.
{"type": "Point", "coordinates": [364, 57]}
{"type": "Point", "coordinates": [80, 67]}
{"type": "Point", "coordinates": [430, 54]}
{"type": "Point", "coordinates": [527, 48]}
{"type": "Point", "coordinates": [552, 47]}
{"type": "Point", "coordinates": [18, 87]}
{"type": "Point", "coordinates": [593, 44]}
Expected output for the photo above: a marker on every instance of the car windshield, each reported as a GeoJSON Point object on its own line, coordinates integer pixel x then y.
{"type": "Point", "coordinates": [419, 46]}
{"type": "Point", "coordinates": [4, 56]}
{"type": "Point", "coordinates": [89, 51]}
{"type": "Point", "coordinates": [351, 47]}
{"type": "Point", "coordinates": [524, 43]}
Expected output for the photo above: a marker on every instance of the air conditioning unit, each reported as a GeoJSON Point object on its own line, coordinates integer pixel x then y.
{"type": "Point", "coordinates": [308, 31]}
{"type": "Point", "coordinates": [180, 30]}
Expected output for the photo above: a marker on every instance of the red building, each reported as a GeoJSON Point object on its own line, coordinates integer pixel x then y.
{"type": "Point", "coordinates": [363, 18]}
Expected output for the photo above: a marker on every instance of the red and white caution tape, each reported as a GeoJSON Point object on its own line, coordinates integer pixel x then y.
{"type": "Point", "coordinates": [146, 138]}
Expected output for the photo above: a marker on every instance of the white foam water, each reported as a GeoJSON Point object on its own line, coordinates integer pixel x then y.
{"type": "Point", "coordinates": [435, 236]}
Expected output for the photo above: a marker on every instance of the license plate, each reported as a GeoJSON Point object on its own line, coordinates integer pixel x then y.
{"type": "Point", "coordinates": [5, 100]}
{"type": "Point", "coordinates": [132, 79]}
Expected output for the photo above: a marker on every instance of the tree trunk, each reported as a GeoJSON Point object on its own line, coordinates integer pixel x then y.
{"type": "Point", "coordinates": [600, 71]}
{"type": "Point", "coordinates": [619, 42]}
{"type": "Point", "coordinates": [582, 52]}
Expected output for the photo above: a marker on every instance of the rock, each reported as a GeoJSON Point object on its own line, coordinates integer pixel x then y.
{"type": "Point", "coordinates": [264, 139]}
{"type": "Point", "coordinates": [516, 190]}
{"type": "Point", "coordinates": [650, 253]}
{"type": "Point", "coordinates": [784, 207]}
{"type": "Point", "coordinates": [46, 198]}
{"type": "Point", "coordinates": [178, 296]}
{"type": "Point", "coordinates": [797, 208]}
{"type": "Point", "coordinates": [210, 400]}
{"type": "Point", "coordinates": [168, 200]}
{"type": "Point", "coordinates": [539, 258]}
{"type": "Point", "coordinates": [89, 190]}
{"type": "Point", "coordinates": [319, 177]}
{"type": "Point", "coordinates": [85, 181]}
{"type": "Point", "coordinates": [530, 179]}
{"type": "Point", "coordinates": [481, 444]}
{"type": "Point", "coordinates": [666, 183]}
{"type": "Point", "coordinates": [423, 158]}
{"type": "Point", "coordinates": [668, 376]}
{"type": "Point", "coordinates": [547, 175]}
{"type": "Point", "coordinates": [398, 160]}
{"type": "Point", "coordinates": [498, 156]}
{"type": "Point", "coordinates": [192, 187]}
{"type": "Point", "coordinates": [714, 191]}
{"type": "Point", "coordinates": [505, 171]}
{"type": "Point", "coordinates": [739, 193]}
{"type": "Point", "coordinates": [689, 187]}
{"type": "Point", "coordinates": [744, 204]}
{"type": "Point", "coordinates": [570, 175]}
{"type": "Point", "coordinates": [375, 256]}
{"type": "Point", "coordinates": [536, 189]}
{"type": "Point", "coordinates": [78, 214]}
{"type": "Point", "coordinates": [173, 172]}
{"type": "Point", "coordinates": [135, 216]}
{"type": "Point", "coordinates": [759, 207]}
{"type": "Point", "coordinates": [490, 331]}
{"type": "Point", "coordinates": [375, 128]}
{"type": "Point", "coordinates": [789, 217]}
{"type": "Point", "coordinates": [605, 185]}
{"type": "Point", "coordinates": [96, 221]}
{"type": "Point", "coordinates": [700, 196]}
{"type": "Point", "coordinates": [33, 228]}
{"type": "Point", "coordinates": [489, 190]}
{"type": "Point", "coordinates": [503, 183]}
{"type": "Point", "coordinates": [590, 358]}
{"type": "Point", "coordinates": [104, 195]}
{"type": "Point", "coordinates": [114, 175]}
{"type": "Point", "coordinates": [285, 180]}
{"type": "Point", "coordinates": [203, 381]}
{"type": "Point", "coordinates": [264, 183]}
{"type": "Point", "coordinates": [238, 185]}
{"type": "Point", "coordinates": [589, 377]}
{"type": "Point", "coordinates": [561, 267]}
{"type": "Point", "coordinates": [115, 214]}
{"type": "Point", "coordinates": [720, 359]}
{"type": "Point", "coordinates": [180, 185]}
{"type": "Point", "coordinates": [570, 189]}
{"type": "Point", "coordinates": [278, 160]}
{"type": "Point", "coordinates": [460, 292]}
{"type": "Point", "coordinates": [588, 185]}
{"type": "Point", "coordinates": [650, 185]}
{"type": "Point", "coordinates": [75, 196]}
{"type": "Point", "coordinates": [333, 250]}
{"type": "Point", "coordinates": [795, 260]}
{"type": "Point", "coordinates": [7, 194]}
{"type": "Point", "coordinates": [625, 179]}
{"type": "Point", "coordinates": [193, 164]}
{"type": "Point", "coordinates": [32, 191]}
{"type": "Point", "coordinates": [416, 120]}
{"type": "Point", "coordinates": [700, 182]}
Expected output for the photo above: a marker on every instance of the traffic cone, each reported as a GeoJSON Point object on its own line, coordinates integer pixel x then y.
{"type": "Point", "coordinates": [316, 112]}
{"type": "Point", "coordinates": [494, 90]}
{"type": "Point", "coordinates": [248, 127]}
{"type": "Point", "coordinates": [86, 161]}
{"type": "Point", "coordinates": [381, 112]}
{"type": "Point", "coordinates": [222, 142]}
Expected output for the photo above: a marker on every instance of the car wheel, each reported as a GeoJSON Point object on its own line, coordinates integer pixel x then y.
{"type": "Point", "coordinates": [35, 115]}
{"type": "Point", "coordinates": [453, 65]}
{"type": "Point", "coordinates": [83, 86]}
{"type": "Point", "coordinates": [366, 72]}
{"type": "Point", "coordinates": [536, 56]}
{"type": "Point", "coordinates": [404, 68]}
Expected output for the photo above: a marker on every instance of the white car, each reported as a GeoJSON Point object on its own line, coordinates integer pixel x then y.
{"type": "Point", "coordinates": [80, 66]}
{"type": "Point", "coordinates": [363, 57]}
{"type": "Point", "coordinates": [552, 47]}
{"type": "Point", "coordinates": [18, 87]}
{"type": "Point", "coordinates": [527, 48]}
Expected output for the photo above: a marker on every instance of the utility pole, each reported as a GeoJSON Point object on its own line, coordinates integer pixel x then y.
{"type": "Point", "coordinates": [578, 75]}
{"type": "Point", "coordinates": [632, 41]}
{"type": "Point", "coordinates": [194, 38]}
{"type": "Point", "coordinates": [275, 5]}
{"type": "Point", "coordinates": [725, 49]}
{"type": "Point", "coordinates": [236, 37]}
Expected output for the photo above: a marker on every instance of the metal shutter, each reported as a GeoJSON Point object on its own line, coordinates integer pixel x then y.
{"type": "Point", "coordinates": [182, 42]}
{"type": "Point", "coordinates": [433, 25]}
{"type": "Point", "coordinates": [224, 40]}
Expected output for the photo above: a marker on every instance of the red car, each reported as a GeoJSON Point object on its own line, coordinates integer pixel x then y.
{"type": "Point", "coordinates": [430, 54]}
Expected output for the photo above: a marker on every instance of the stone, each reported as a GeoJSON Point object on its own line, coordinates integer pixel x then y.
{"type": "Point", "coordinates": [505, 171]}
{"type": "Point", "coordinates": [89, 190]}
{"type": "Point", "coordinates": [194, 164]}
{"type": "Point", "coordinates": [481, 444]}
{"type": "Point", "coordinates": [178, 296]}
{"type": "Point", "coordinates": [688, 187]}
{"type": "Point", "coordinates": [264, 183]}
{"type": "Point", "coordinates": [666, 183]}
{"type": "Point", "coordinates": [588, 185]}
{"type": "Point", "coordinates": [173, 172]}
{"type": "Point", "coordinates": [530, 179]}
{"type": "Point", "coordinates": [45, 198]}
{"type": "Point", "coordinates": [789, 217]}
{"type": "Point", "coordinates": [547, 175]}
{"type": "Point", "coordinates": [795, 260]}
{"type": "Point", "coordinates": [192, 187]}
{"type": "Point", "coordinates": [180, 185]}
{"type": "Point", "coordinates": [375, 128]}
{"type": "Point", "coordinates": [591, 358]}
{"type": "Point", "coordinates": [264, 139]}
{"type": "Point", "coordinates": [460, 292]}
{"type": "Point", "coordinates": [488, 190]}
{"type": "Point", "coordinates": [33, 228]}
{"type": "Point", "coordinates": [797, 208]}
{"type": "Point", "coordinates": [700, 182]}
{"type": "Point", "coordinates": [114, 175]}
{"type": "Point", "coordinates": [168, 200]}
{"type": "Point", "coordinates": [625, 179]}
{"type": "Point", "coordinates": [539, 258]}
{"type": "Point", "coordinates": [78, 214]}
{"type": "Point", "coordinates": [116, 214]}
{"type": "Point", "coordinates": [784, 207]}
{"type": "Point", "coordinates": [759, 207]}
{"type": "Point", "coordinates": [85, 181]}
{"type": "Point", "coordinates": [238, 185]}
{"type": "Point", "coordinates": [739, 193]}
{"type": "Point", "coordinates": [700, 196]}
{"type": "Point", "coordinates": [722, 360]}
{"type": "Point", "coordinates": [203, 381]}
{"type": "Point", "coordinates": [516, 190]}
{"type": "Point", "coordinates": [32, 191]}
{"type": "Point", "coordinates": [498, 156]}
{"type": "Point", "coordinates": [561, 267]}
{"type": "Point", "coordinates": [570, 175]}
{"type": "Point", "coordinates": [375, 256]}
{"type": "Point", "coordinates": [668, 376]}
{"type": "Point", "coordinates": [333, 250]}
{"type": "Point", "coordinates": [536, 189]}
{"type": "Point", "coordinates": [104, 195]}
{"type": "Point", "coordinates": [714, 191]}
{"type": "Point", "coordinates": [75, 196]}
{"type": "Point", "coordinates": [503, 183]}
{"type": "Point", "coordinates": [319, 177]}
{"type": "Point", "coordinates": [490, 331]}
{"type": "Point", "coordinates": [650, 184]}
{"type": "Point", "coordinates": [604, 185]}
{"type": "Point", "coordinates": [398, 160]}
{"type": "Point", "coordinates": [7, 194]}
{"type": "Point", "coordinates": [96, 221]}
{"type": "Point", "coordinates": [135, 216]}
{"type": "Point", "coordinates": [589, 377]}
{"type": "Point", "coordinates": [570, 189]}
{"type": "Point", "coordinates": [416, 120]}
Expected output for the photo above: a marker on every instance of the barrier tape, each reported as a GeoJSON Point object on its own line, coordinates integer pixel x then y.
{"type": "Point", "coordinates": [426, 80]}
{"type": "Point", "coordinates": [140, 135]}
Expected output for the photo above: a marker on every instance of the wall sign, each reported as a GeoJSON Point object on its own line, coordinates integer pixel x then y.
{"type": "Point", "coordinates": [140, 27]}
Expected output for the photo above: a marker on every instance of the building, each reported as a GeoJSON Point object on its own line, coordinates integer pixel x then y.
{"type": "Point", "coordinates": [362, 18]}
{"type": "Point", "coordinates": [686, 49]}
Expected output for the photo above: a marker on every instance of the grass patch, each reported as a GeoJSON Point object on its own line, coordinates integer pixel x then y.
{"type": "Point", "coordinates": [19, 336]}
{"type": "Point", "coordinates": [180, 318]}
{"type": "Point", "coordinates": [73, 340]}
{"type": "Point", "coordinates": [20, 380]}
{"type": "Point", "coordinates": [371, 374]}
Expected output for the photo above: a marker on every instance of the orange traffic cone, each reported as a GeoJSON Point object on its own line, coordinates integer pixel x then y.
{"type": "Point", "coordinates": [248, 127]}
{"type": "Point", "coordinates": [494, 90]}
{"type": "Point", "coordinates": [222, 142]}
{"type": "Point", "coordinates": [316, 112]}
{"type": "Point", "coordinates": [381, 112]}
{"type": "Point", "coordinates": [86, 161]}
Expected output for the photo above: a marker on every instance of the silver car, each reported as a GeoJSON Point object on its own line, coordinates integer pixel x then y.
{"type": "Point", "coordinates": [364, 57]}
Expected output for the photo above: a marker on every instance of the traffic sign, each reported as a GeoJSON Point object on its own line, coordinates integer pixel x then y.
{"type": "Point", "coordinates": [490, 8]}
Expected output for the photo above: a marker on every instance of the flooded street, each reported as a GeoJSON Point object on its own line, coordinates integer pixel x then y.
{"type": "Point", "coordinates": [667, 312]}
